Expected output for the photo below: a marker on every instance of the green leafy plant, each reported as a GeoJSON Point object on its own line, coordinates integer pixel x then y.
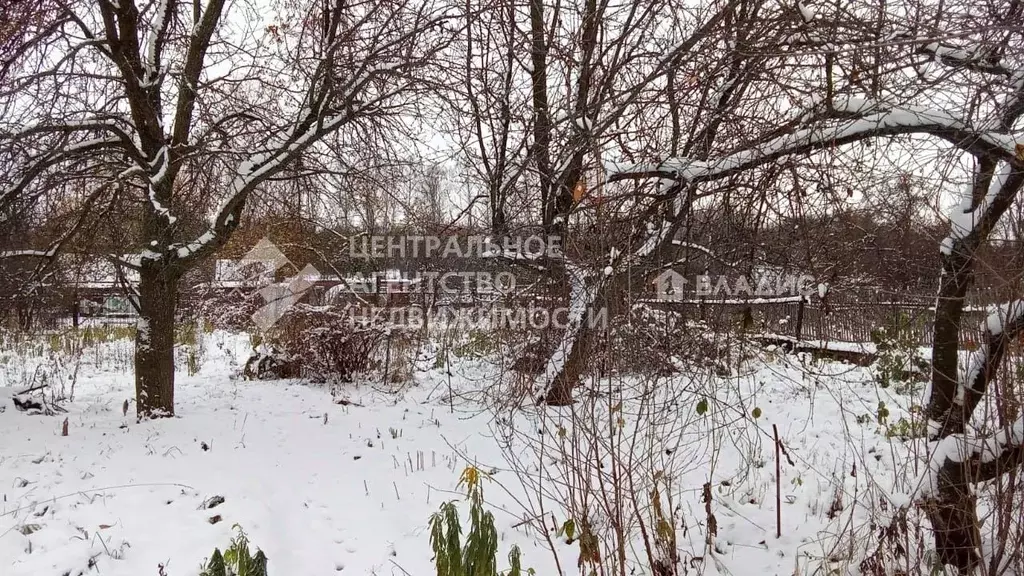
{"type": "Point", "coordinates": [882, 413]}
{"type": "Point", "coordinates": [515, 562]}
{"type": "Point", "coordinates": [236, 560]}
{"type": "Point", "coordinates": [905, 429]}
{"type": "Point", "coordinates": [898, 355]}
{"type": "Point", "coordinates": [478, 555]}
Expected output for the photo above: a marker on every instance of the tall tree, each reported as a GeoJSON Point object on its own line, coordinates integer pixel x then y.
{"type": "Point", "coordinates": [168, 108]}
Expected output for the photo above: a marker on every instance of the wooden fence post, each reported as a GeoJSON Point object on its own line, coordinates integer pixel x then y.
{"type": "Point", "coordinates": [799, 318]}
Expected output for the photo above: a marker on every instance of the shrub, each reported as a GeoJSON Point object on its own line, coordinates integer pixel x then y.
{"type": "Point", "coordinates": [898, 356]}
{"type": "Point", "coordinates": [231, 311]}
{"type": "Point", "coordinates": [269, 364]}
{"type": "Point", "coordinates": [327, 343]}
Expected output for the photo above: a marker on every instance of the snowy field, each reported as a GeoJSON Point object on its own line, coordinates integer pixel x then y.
{"type": "Point", "coordinates": [344, 481]}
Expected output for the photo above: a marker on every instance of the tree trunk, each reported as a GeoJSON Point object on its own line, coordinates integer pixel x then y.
{"type": "Point", "coordinates": [952, 509]}
{"type": "Point", "coordinates": [499, 222]}
{"type": "Point", "coordinates": [154, 341]}
{"type": "Point", "coordinates": [560, 391]}
{"type": "Point", "coordinates": [604, 305]}
{"type": "Point", "coordinates": [542, 125]}
{"type": "Point", "coordinates": [954, 518]}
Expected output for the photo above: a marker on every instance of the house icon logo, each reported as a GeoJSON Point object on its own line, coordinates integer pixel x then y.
{"type": "Point", "coordinates": [669, 285]}
{"type": "Point", "coordinates": [279, 296]}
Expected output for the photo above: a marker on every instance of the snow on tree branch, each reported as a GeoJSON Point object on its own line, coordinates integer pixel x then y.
{"type": "Point", "coordinates": [161, 164]}
{"type": "Point", "coordinates": [966, 216]}
{"type": "Point", "coordinates": [973, 58]}
{"type": "Point", "coordinates": [155, 39]}
{"type": "Point", "coordinates": [112, 125]}
{"type": "Point", "coordinates": [49, 253]}
{"type": "Point", "coordinates": [253, 171]}
{"type": "Point", "coordinates": [58, 244]}
{"type": "Point", "coordinates": [1003, 316]}
{"type": "Point", "coordinates": [886, 121]}
{"type": "Point", "coordinates": [40, 163]}
{"type": "Point", "coordinates": [960, 458]}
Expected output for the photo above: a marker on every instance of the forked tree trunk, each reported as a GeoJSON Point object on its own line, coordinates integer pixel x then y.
{"type": "Point", "coordinates": [952, 505]}
{"type": "Point", "coordinates": [154, 341]}
{"type": "Point", "coordinates": [952, 509]}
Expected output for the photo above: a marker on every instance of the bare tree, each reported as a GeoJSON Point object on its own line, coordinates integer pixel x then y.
{"type": "Point", "coordinates": [967, 94]}
{"type": "Point", "coordinates": [593, 83]}
{"type": "Point", "coordinates": [490, 112]}
{"type": "Point", "coordinates": [625, 119]}
{"type": "Point", "coordinates": [166, 108]}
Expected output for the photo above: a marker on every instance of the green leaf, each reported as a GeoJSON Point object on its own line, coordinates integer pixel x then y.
{"type": "Point", "coordinates": [215, 566]}
{"type": "Point", "coordinates": [259, 564]}
{"type": "Point", "coordinates": [515, 562]}
{"type": "Point", "coordinates": [702, 406]}
{"type": "Point", "coordinates": [569, 529]}
{"type": "Point", "coordinates": [756, 413]}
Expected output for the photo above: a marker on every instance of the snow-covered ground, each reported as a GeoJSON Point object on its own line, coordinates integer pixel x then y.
{"type": "Point", "coordinates": [325, 487]}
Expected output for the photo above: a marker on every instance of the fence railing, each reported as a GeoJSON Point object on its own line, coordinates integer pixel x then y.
{"type": "Point", "coordinates": [836, 318]}
{"type": "Point", "coordinates": [831, 320]}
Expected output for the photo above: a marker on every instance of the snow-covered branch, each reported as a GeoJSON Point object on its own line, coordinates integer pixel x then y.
{"type": "Point", "coordinates": [155, 38]}
{"type": "Point", "coordinates": [1004, 117]}
{"type": "Point", "coordinates": [960, 458]}
{"type": "Point", "coordinates": [49, 253]}
{"type": "Point", "coordinates": [57, 245]}
{"type": "Point", "coordinates": [973, 58]}
{"type": "Point", "coordinates": [113, 125]}
{"type": "Point", "coordinates": [250, 174]}
{"type": "Point", "coordinates": [330, 103]}
{"type": "Point", "coordinates": [39, 164]}
{"type": "Point", "coordinates": [160, 164]}
{"type": "Point", "coordinates": [882, 121]}
{"type": "Point", "coordinates": [970, 215]}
